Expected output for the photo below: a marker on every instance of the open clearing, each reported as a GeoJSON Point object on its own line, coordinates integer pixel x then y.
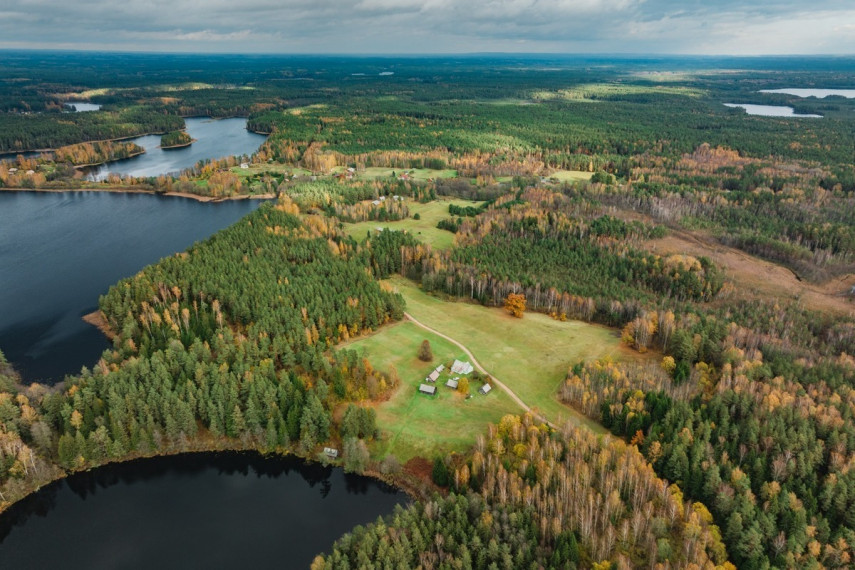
{"type": "Point", "coordinates": [571, 175]}
{"type": "Point", "coordinates": [424, 229]}
{"type": "Point", "coordinates": [417, 425]}
{"type": "Point", "coordinates": [754, 276]}
{"type": "Point", "coordinates": [531, 355]}
{"type": "Point", "coordinates": [372, 172]}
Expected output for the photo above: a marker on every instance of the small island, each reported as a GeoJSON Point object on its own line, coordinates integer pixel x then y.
{"type": "Point", "coordinates": [175, 139]}
{"type": "Point", "coordinates": [96, 153]}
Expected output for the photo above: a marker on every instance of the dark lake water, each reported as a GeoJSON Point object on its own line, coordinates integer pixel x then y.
{"type": "Point", "coordinates": [215, 139]}
{"type": "Point", "coordinates": [60, 251]}
{"type": "Point", "coordinates": [191, 511]}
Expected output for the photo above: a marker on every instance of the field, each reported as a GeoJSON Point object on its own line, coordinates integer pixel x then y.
{"type": "Point", "coordinates": [415, 173]}
{"type": "Point", "coordinates": [571, 175]}
{"type": "Point", "coordinates": [531, 355]}
{"type": "Point", "coordinates": [756, 277]}
{"type": "Point", "coordinates": [414, 424]}
{"type": "Point", "coordinates": [424, 229]}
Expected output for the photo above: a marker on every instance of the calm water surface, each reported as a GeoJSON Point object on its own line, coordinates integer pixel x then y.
{"type": "Point", "coordinates": [76, 107]}
{"type": "Point", "coordinates": [818, 93]}
{"type": "Point", "coordinates": [215, 139]}
{"type": "Point", "coordinates": [191, 511]}
{"type": "Point", "coordinates": [60, 251]}
{"type": "Point", "coordinates": [769, 110]}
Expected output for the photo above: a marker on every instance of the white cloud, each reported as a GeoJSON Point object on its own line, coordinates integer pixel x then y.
{"type": "Point", "coordinates": [399, 26]}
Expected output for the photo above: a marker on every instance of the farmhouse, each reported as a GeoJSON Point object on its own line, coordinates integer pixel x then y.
{"type": "Point", "coordinates": [331, 452]}
{"type": "Point", "coordinates": [433, 376]}
{"type": "Point", "coordinates": [485, 388]}
{"type": "Point", "coordinates": [244, 165]}
{"type": "Point", "coordinates": [427, 389]}
{"type": "Point", "coordinates": [452, 383]}
{"type": "Point", "coordinates": [461, 367]}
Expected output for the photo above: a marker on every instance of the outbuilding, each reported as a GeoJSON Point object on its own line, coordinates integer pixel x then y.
{"type": "Point", "coordinates": [427, 389]}
{"type": "Point", "coordinates": [452, 383]}
{"type": "Point", "coordinates": [485, 388]}
{"type": "Point", "coordinates": [331, 452]}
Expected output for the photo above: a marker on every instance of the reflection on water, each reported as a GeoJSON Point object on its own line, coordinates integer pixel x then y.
{"type": "Point", "coordinates": [60, 251]}
{"type": "Point", "coordinates": [198, 510]}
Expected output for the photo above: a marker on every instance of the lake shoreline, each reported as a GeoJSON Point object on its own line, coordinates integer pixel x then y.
{"type": "Point", "coordinates": [131, 190]}
{"type": "Point", "coordinates": [13, 153]}
{"type": "Point", "coordinates": [414, 489]}
{"type": "Point", "coordinates": [135, 154]}
{"type": "Point", "coordinates": [181, 145]}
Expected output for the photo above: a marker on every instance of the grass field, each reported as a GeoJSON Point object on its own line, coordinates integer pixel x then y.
{"type": "Point", "coordinates": [571, 175]}
{"type": "Point", "coordinates": [424, 229]}
{"type": "Point", "coordinates": [414, 173]}
{"type": "Point", "coordinates": [413, 424]}
{"type": "Point", "coordinates": [531, 355]}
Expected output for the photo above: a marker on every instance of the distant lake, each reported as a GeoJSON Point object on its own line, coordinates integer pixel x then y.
{"type": "Point", "coordinates": [60, 251]}
{"type": "Point", "coordinates": [225, 510]}
{"type": "Point", "coordinates": [818, 93]}
{"type": "Point", "coordinates": [74, 106]}
{"type": "Point", "coordinates": [769, 110]}
{"type": "Point", "coordinates": [215, 139]}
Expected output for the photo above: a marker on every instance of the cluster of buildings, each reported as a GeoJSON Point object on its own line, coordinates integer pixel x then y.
{"type": "Point", "coordinates": [458, 369]}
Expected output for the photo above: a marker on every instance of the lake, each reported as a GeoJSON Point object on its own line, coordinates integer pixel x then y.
{"type": "Point", "coordinates": [818, 93]}
{"type": "Point", "coordinates": [77, 107]}
{"type": "Point", "coordinates": [60, 251]}
{"type": "Point", "coordinates": [215, 139]}
{"type": "Point", "coordinates": [224, 510]}
{"type": "Point", "coordinates": [769, 110]}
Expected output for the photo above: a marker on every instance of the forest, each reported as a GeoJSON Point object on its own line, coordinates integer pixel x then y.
{"type": "Point", "coordinates": [599, 190]}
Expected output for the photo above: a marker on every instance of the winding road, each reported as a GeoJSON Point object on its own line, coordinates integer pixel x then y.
{"type": "Point", "coordinates": [481, 369]}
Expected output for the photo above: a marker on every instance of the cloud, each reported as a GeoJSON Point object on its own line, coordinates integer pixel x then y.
{"type": "Point", "coordinates": [434, 26]}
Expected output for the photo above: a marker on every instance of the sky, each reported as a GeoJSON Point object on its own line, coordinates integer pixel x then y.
{"type": "Point", "coordinates": [705, 27]}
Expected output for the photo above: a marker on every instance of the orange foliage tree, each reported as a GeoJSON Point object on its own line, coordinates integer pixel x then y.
{"type": "Point", "coordinates": [515, 304]}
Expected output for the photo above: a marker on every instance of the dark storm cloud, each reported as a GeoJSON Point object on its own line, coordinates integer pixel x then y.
{"type": "Point", "coordinates": [401, 26]}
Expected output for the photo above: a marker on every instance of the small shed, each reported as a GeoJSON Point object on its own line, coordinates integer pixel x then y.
{"type": "Point", "coordinates": [331, 452]}
{"type": "Point", "coordinates": [440, 368]}
{"type": "Point", "coordinates": [244, 165]}
{"type": "Point", "coordinates": [485, 389]}
{"type": "Point", "coordinates": [452, 383]}
{"type": "Point", "coordinates": [427, 389]}
{"type": "Point", "coordinates": [434, 376]}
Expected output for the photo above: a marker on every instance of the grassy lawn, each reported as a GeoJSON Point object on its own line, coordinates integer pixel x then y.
{"type": "Point", "coordinates": [571, 175]}
{"type": "Point", "coordinates": [531, 355]}
{"type": "Point", "coordinates": [414, 424]}
{"type": "Point", "coordinates": [372, 172]}
{"type": "Point", "coordinates": [424, 229]}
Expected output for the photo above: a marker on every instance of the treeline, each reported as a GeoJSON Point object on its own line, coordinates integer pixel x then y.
{"type": "Point", "coordinates": [31, 132]}
{"type": "Point", "coordinates": [530, 497]}
{"type": "Point", "coordinates": [540, 245]}
{"type": "Point", "coordinates": [96, 153]}
{"type": "Point", "coordinates": [789, 212]}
